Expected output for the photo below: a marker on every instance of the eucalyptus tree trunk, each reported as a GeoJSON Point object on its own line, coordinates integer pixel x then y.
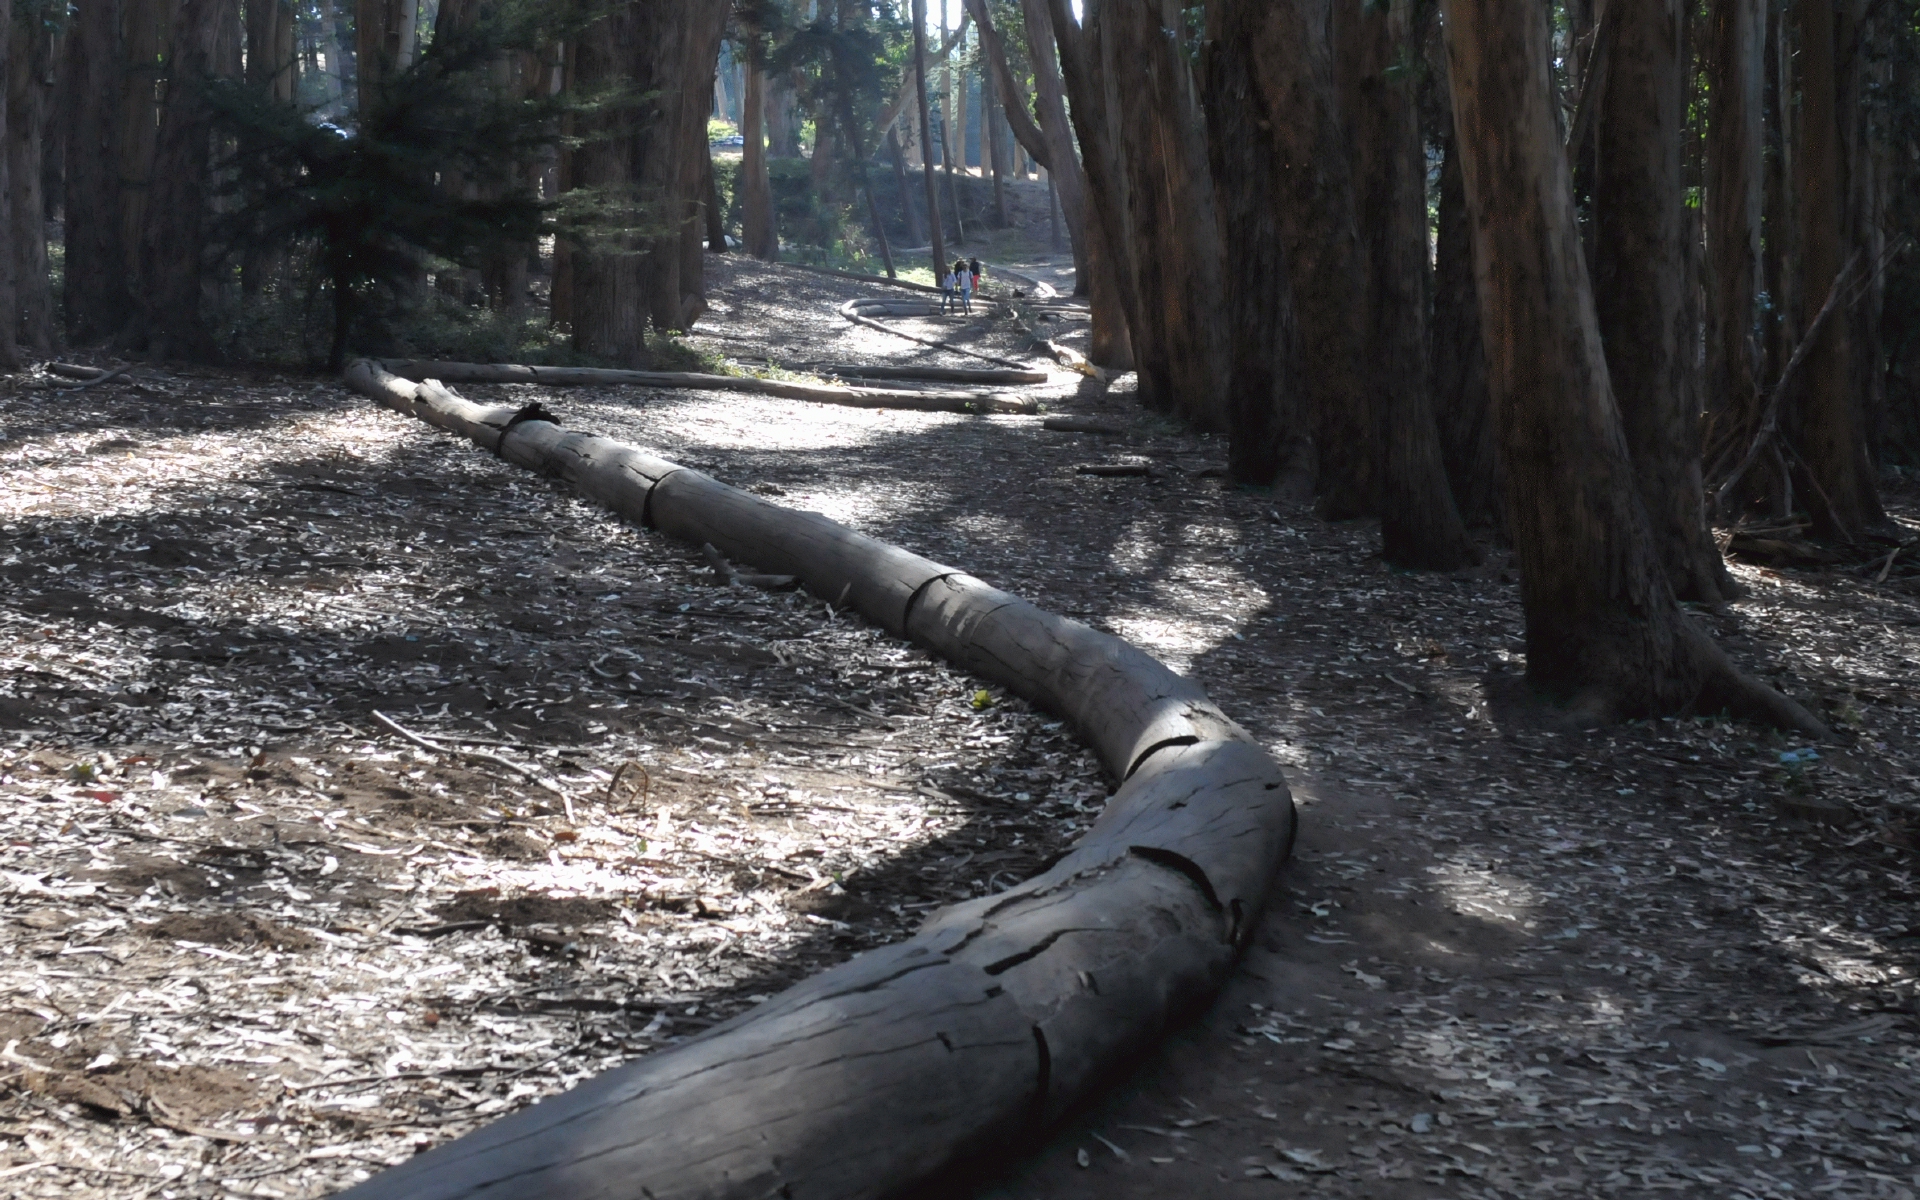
{"type": "Point", "coordinates": [1736, 42]}
{"type": "Point", "coordinates": [34, 49]}
{"type": "Point", "coordinates": [1604, 631]}
{"type": "Point", "coordinates": [271, 70]}
{"type": "Point", "coordinates": [606, 304]}
{"type": "Point", "coordinates": [1419, 526]}
{"type": "Point", "coordinates": [97, 300]}
{"type": "Point", "coordinates": [383, 38]}
{"type": "Point", "coordinates": [936, 235]}
{"type": "Point", "coordinates": [1640, 289]}
{"type": "Point", "coordinates": [1840, 492]}
{"type": "Point", "coordinates": [173, 237]}
{"type": "Point", "coordinates": [1270, 438]}
{"type": "Point", "coordinates": [991, 121]}
{"type": "Point", "coordinates": [1143, 139]}
{"type": "Point", "coordinates": [680, 44]}
{"type": "Point", "coordinates": [1458, 360]}
{"type": "Point", "coordinates": [1294, 72]}
{"type": "Point", "coordinates": [756, 189]}
{"type": "Point", "coordinates": [909, 216]}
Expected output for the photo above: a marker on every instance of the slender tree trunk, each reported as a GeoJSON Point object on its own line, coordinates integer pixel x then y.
{"type": "Point", "coordinates": [148, 26]}
{"type": "Point", "coordinates": [97, 300]}
{"type": "Point", "coordinates": [173, 242]}
{"type": "Point", "coordinates": [1294, 72]}
{"type": "Point", "coordinates": [1604, 631]}
{"type": "Point", "coordinates": [908, 216]}
{"type": "Point", "coordinates": [1736, 43]}
{"type": "Point", "coordinates": [948, 126]}
{"type": "Point", "coordinates": [1640, 286]}
{"type": "Point", "coordinates": [270, 71]}
{"type": "Point", "coordinates": [716, 212]}
{"type": "Point", "coordinates": [560, 307]}
{"type": "Point", "coordinates": [1841, 496]}
{"type": "Point", "coordinates": [936, 235]}
{"type": "Point", "coordinates": [1461, 404]}
{"type": "Point", "coordinates": [607, 306]}
{"type": "Point", "coordinates": [1420, 528]}
{"type": "Point", "coordinates": [1270, 430]}
{"type": "Point", "coordinates": [383, 38]}
{"type": "Point", "coordinates": [991, 120]}
{"type": "Point", "coordinates": [35, 46]}
{"type": "Point", "coordinates": [756, 189]}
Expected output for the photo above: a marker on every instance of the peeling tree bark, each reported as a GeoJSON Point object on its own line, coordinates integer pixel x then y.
{"type": "Point", "coordinates": [919, 1059]}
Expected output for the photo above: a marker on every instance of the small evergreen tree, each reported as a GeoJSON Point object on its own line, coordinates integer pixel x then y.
{"type": "Point", "coordinates": [368, 203]}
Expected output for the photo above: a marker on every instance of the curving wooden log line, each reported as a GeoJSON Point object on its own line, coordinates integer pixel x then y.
{"type": "Point", "coordinates": [820, 393]}
{"type": "Point", "coordinates": [957, 1046]}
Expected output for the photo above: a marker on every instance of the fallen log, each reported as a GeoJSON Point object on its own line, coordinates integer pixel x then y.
{"type": "Point", "coordinates": [936, 374]}
{"type": "Point", "coordinates": [856, 311]}
{"type": "Point", "coordinates": [1115, 470]}
{"type": "Point", "coordinates": [823, 393]}
{"type": "Point", "coordinates": [1080, 425]}
{"type": "Point", "coordinates": [940, 1053]}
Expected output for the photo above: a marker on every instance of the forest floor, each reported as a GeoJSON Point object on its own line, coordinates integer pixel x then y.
{"type": "Point", "coordinates": [253, 941]}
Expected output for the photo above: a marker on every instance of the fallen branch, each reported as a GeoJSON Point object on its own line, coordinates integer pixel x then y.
{"type": "Point", "coordinates": [1072, 359]}
{"type": "Point", "coordinates": [727, 574]}
{"type": "Point", "coordinates": [527, 773]}
{"type": "Point", "coordinates": [882, 1076]}
{"type": "Point", "coordinates": [823, 393]}
{"type": "Point", "coordinates": [93, 381]}
{"type": "Point", "coordinates": [1080, 425]}
{"type": "Point", "coordinates": [1114, 470]}
{"type": "Point", "coordinates": [937, 374]}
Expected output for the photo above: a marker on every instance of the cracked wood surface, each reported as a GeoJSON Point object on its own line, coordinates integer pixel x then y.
{"type": "Point", "coordinates": [1002, 1012]}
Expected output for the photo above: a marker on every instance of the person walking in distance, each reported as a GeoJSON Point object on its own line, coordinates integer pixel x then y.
{"type": "Point", "coordinates": [973, 267]}
{"type": "Point", "coordinates": [946, 282]}
{"type": "Point", "coordinates": [963, 280]}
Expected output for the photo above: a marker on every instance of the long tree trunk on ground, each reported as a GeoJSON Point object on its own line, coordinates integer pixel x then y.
{"type": "Point", "coordinates": [1294, 71]}
{"type": "Point", "coordinates": [1270, 430]}
{"type": "Point", "coordinates": [1736, 41]}
{"type": "Point", "coordinates": [173, 239]}
{"type": "Point", "coordinates": [1640, 285]}
{"type": "Point", "coordinates": [1419, 526]}
{"type": "Point", "coordinates": [29, 99]}
{"type": "Point", "coordinates": [756, 189]}
{"type": "Point", "coordinates": [1604, 631]}
{"type": "Point", "coordinates": [936, 236]}
{"type": "Point", "coordinates": [1840, 492]}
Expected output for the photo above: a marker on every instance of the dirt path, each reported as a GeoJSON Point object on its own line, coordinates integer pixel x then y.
{"type": "Point", "coordinates": [1511, 958]}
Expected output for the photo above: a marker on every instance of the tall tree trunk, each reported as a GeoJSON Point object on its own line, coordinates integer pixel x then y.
{"type": "Point", "coordinates": [1419, 526]}
{"type": "Point", "coordinates": [1144, 144]}
{"type": "Point", "coordinates": [1461, 404]}
{"type": "Point", "coordinates": [35, 50]}
{"type": "Point", "coordinates": [683, 41]}
{"type": "Point", "coordinates": [908, 215]}
{"type": "Point", "coordinates": [1640, 286]}
{"type": "Point", "coordinates": [820, 160]}
{"type": "Point", "coordinates": [148, 27]}
{"type": "Point", "coordinates": [383, 38]}
{"type": "Point", "coordinates": [270, 72]}
{"type": "Point", "coordinates": [1736, 43]}
{"type": "Point", "coordinates": [1270, 430]}
{"type": "Point", "coordinates": [607, 306]}
{"type": "Point", "coordinates": [1604, 631]}
{"type": "Point", "coordinates": [9, 310]}
{"type": "Point", "coordinates": [936, 236]}
{"type": "Point", "coordinates": [756, 189]}
{"type": "Point", "coordinates": [97, 299]}
{"type": "Point", "coordinates": [1841, 496]}
{"type": "Point", "coordinates": [991, 121]}
{"type": "Point", "coordinates": [948, 128]}
{"type": "Point", "coordinates": [1294, 71]}
{"type": "Point", "coordinates": [173, 242]}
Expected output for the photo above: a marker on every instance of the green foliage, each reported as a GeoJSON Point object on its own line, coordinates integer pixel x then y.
{"type": "Point", "coordinates": [369, 205]}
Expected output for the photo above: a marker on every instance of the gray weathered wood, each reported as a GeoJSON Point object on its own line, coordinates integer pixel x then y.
{"type": "Point", "coordinates": [940, 1053]}
{"type": "Point", "coordinates": [822, 393]}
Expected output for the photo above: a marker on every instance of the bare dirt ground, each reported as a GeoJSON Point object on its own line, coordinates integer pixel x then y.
{"type": "Point", "coordinates": [261, 944]}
